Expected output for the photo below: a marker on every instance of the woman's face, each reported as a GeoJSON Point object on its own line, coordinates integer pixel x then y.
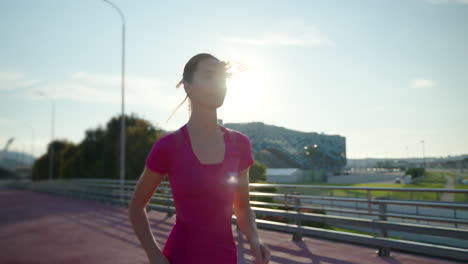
{"type": "Point", "coordinates": [208, 87]}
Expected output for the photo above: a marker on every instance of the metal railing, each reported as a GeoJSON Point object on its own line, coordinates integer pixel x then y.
{"type": "Point", "coordinates": [370, 212]}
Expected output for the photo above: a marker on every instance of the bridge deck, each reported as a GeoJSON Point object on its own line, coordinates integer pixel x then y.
{"type": "Point", "coordinates": [44, 228]}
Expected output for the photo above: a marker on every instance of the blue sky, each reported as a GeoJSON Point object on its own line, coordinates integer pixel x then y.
{"type": "Point", "coordinates": [383, 74]}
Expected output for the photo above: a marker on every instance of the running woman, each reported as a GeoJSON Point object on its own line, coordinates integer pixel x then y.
{"type": "Point", "coordinates": [207, 166]}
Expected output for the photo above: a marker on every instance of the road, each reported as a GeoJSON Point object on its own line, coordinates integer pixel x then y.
{"type": "Point", "coordinates": [353, 178]}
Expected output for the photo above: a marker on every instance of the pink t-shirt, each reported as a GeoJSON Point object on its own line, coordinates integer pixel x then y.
{"type": "Point", "coordinates": [203, 196]}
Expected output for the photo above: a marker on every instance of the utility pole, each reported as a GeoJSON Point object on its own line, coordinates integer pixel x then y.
{"type": "Point", "coordinates": [122, 120]}
{"type": "Point", "coordinates": [424, 158]}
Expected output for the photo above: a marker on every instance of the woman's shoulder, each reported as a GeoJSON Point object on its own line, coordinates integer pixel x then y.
{"type": "Point", "coordinates": [167, 139]}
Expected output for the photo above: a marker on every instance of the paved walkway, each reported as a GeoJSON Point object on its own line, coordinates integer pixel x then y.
{"type": "Point", "coordinates": [448, 197]}
{"type": "Point", "coordinates": [44, 228]}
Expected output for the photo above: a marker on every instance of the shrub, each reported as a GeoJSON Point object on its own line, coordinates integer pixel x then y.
{"type": "Point", "coordinates": [415, 172]}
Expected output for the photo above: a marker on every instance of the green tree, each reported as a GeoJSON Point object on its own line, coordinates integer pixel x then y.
{"type": "Point", "coordinates": [98, 154]}
{"type": "Point", "coordinates": [257, 174]}
{"type": "Point", "coordinates": [40, 170]}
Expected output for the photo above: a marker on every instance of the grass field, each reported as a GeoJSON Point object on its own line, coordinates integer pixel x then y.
{"type": "Point", "coordinates": [432, 179]}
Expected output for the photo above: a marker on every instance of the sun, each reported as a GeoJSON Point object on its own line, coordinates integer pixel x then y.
{"type": "Point", "coordinates": [246, 91]}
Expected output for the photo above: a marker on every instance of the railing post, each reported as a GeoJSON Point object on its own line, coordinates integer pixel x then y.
{"type": "Point", "coordinates": [128, 195]}
{"type": "Point", "coordinates": [455, 216]}
{"type": "Point", "coordinates": [285, 199]}
{"type": "Point", "coordinates": [297, 236]}
{"type": "Point", "coordinates": [168, 190]}
{"type": "Point", "coordinates": [369, 201]}
{"type": "Point", "coordinates": [383, 251]}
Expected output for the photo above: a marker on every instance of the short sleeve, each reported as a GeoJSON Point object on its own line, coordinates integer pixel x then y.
{"type": "Point", "coordinates": [246, 157]}
{"type": "Point", "coordinates": [158, 159]}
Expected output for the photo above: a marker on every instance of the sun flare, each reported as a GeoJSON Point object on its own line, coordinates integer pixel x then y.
{"type": "Point", "coordinates": [246, 90]}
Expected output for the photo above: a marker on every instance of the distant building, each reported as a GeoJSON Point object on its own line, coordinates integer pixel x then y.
{"type": "Point", "coordinates": [284, 175]}
{"type": "Point", "coordinates": [407, 179]}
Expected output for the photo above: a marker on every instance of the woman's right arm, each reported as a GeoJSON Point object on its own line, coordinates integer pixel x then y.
{"type": "Point", "coordinates": [145, 187]}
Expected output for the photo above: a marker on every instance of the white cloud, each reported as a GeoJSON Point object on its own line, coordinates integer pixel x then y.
{"type": "Point", "coordinates": [447, 1]}
{"type": "Point", "coordinates": [106, 88]}
{"type": "Point", "coordinates": [10, 80]}
{"type": "Point", "coordinates": [6, 122]}
{"type": "Point", "coordinates": [288, 33]}
{"type": "Point", "coordinates": [422, 83]}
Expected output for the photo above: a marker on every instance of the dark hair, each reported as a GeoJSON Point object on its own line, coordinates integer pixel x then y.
{"type": "Point", "coordinates": [191, 67]}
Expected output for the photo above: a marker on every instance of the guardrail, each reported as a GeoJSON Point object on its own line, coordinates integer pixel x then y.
{"type": "Point", "coordinates": [291, 205]}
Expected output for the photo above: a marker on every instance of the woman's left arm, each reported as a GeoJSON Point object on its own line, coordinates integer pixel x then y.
{"type": "Point", "coordinates": [245, 218]}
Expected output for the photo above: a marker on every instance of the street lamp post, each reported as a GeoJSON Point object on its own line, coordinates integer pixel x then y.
{"type": "Point", "coordinates": [324, 176]}
{"type": "Point", "coordinates": [307, 152]}
{"type": "Point", "coordinates": [122, 120]}
{"type": "Point", "coordinates": [323, 157]}
{"type": "Point", "coordinates": [424, 157]}
{"type": "Point", "coordinates": [51, 148]}
{"type": "Point", "coordinates": [315, 147]}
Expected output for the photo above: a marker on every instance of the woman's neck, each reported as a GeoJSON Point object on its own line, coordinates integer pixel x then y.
{"type": "Point", "coordinates": [203, 120]}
